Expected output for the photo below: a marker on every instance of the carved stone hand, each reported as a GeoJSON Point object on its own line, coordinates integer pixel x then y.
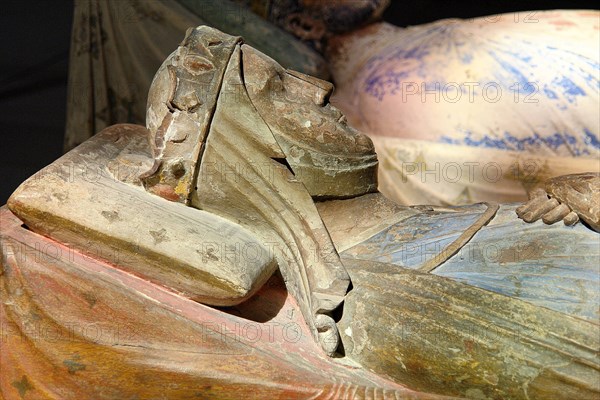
{"type": "Point", "coordinates": [567, 198]}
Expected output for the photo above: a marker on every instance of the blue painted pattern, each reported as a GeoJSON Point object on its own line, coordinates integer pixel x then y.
{"type": "Point", "coordinates": [558, 77]}
{"type": "Point", "coordinates": [553, 266]}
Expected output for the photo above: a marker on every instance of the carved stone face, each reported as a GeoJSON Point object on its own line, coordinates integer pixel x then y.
{"type": "Point", "coordinates": [329, 157]}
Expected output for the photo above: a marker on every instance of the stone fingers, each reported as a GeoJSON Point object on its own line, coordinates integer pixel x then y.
{"type": "Point", "coordinates": [547, 206]}
{"type": "Point", "coordinates": [536, 197]}
{"type": "Point", "coordinates": [535, 208]}
{"type": "Point", "coordinates": [550, 210]}
{"type": "Point", "coordinates": [521, 210]}
{"type": "Point", "coordinates": [571, 219]}
{"type": "Point", "coordinates": [556, 214]}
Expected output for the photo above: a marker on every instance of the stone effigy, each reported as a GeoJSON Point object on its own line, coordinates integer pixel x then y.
{"type": "Point", "coordinates": [143, 263]}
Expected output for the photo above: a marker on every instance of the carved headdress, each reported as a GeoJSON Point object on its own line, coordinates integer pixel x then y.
{"type": "Point", "coordinates": [181, 103]}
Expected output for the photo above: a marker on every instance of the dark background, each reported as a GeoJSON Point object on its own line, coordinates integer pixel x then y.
{"type": "Point", "coordinates": [34, 51]}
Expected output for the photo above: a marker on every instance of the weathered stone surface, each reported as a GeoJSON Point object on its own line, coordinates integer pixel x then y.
{"type": "Point", "coordinates": [242, 156]}
{"type": "Point", "coordinates": [329, 157]}
{"type": "Point", "coordinates": [180, 107]}
{"type": "Point", "coordinates": [80, 200]}
{"type": "Point", "coordinates": [75, 327]}
{"type": "Point", "coordinates": [443, 336]}
{"type": "Point", "coordinates": [352, 221]}
{"type": "Point", "coordinates": [204, 166]}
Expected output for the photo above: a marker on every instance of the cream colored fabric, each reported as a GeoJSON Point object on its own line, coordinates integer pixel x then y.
{"type": "Point", "coordinates": [474, 110]}
{"type": "Point", "coordinates": [530, 85]}
{"type": "Point", "coordinates": [424, 172]}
